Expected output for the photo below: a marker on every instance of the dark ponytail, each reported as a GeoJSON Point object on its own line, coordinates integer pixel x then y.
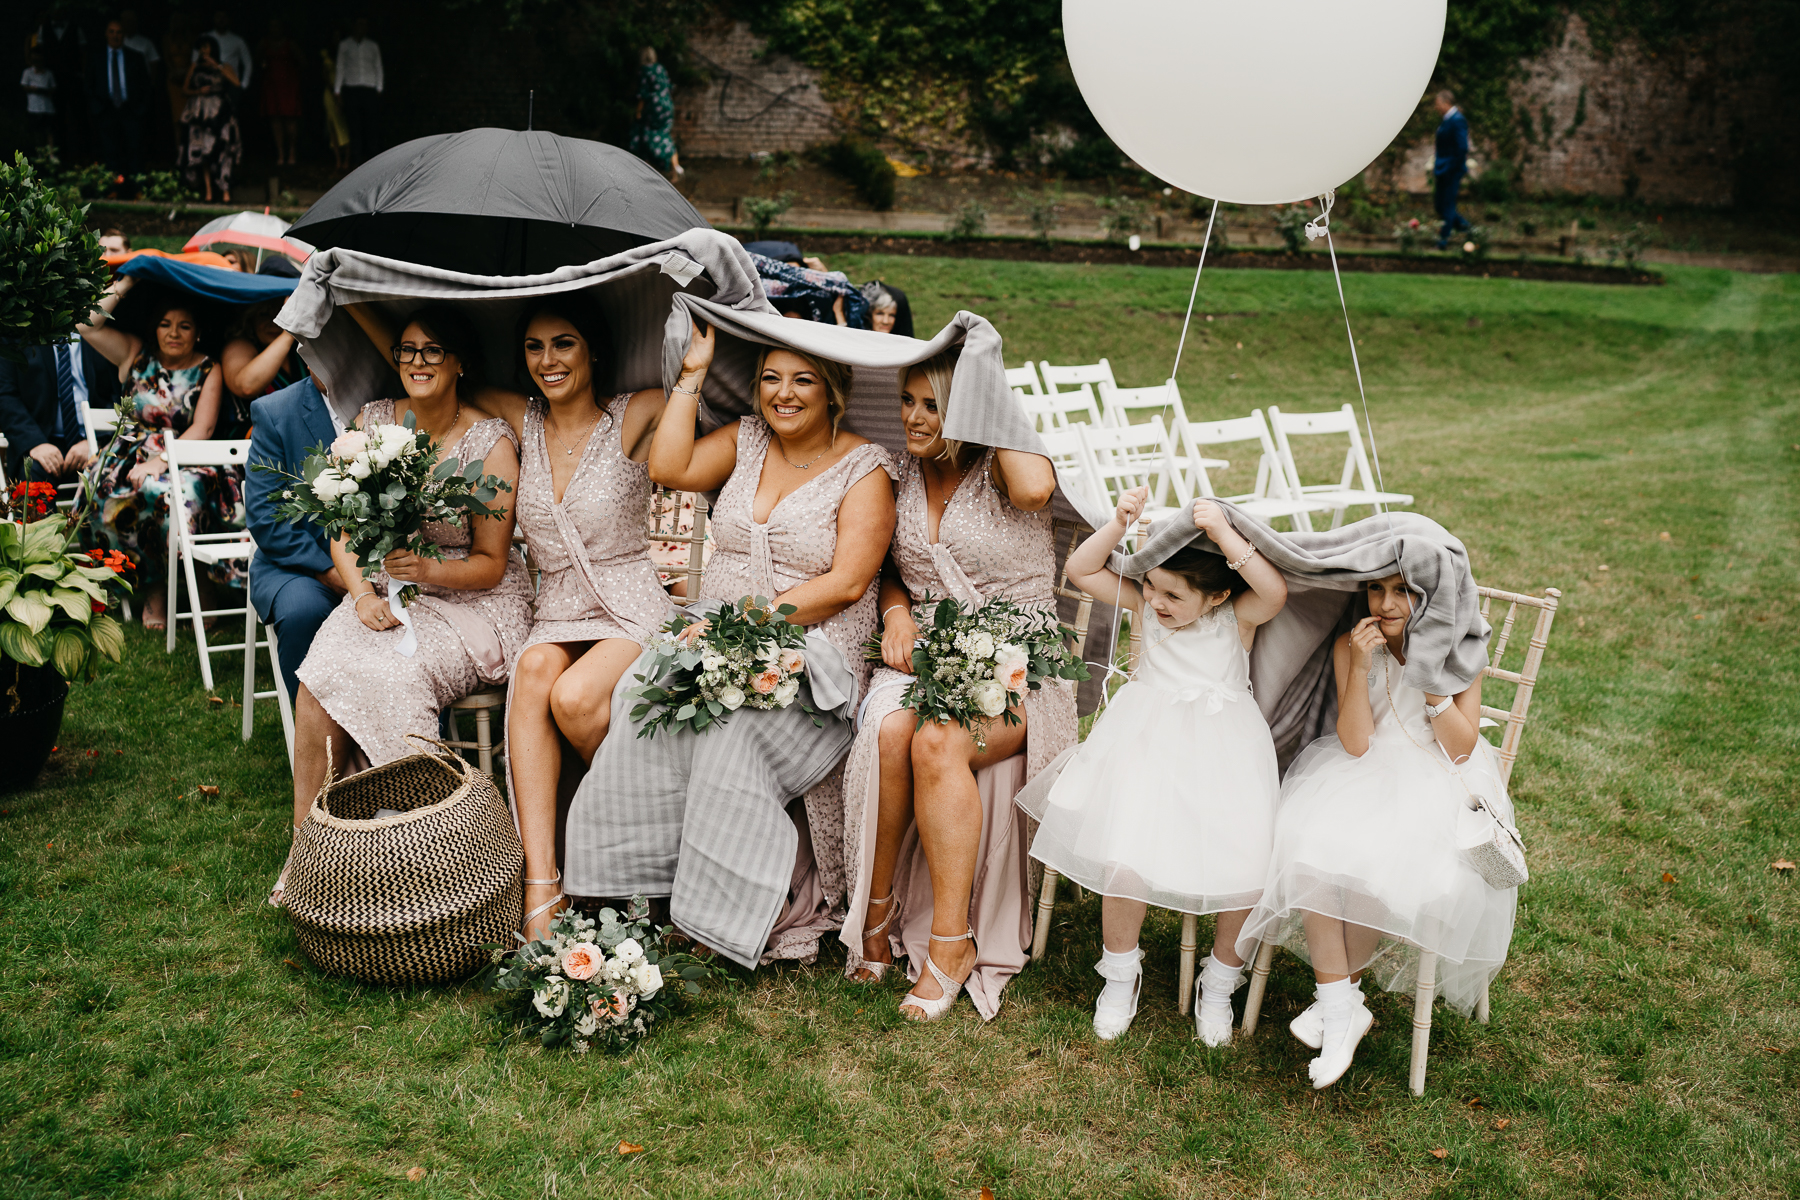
{"type": "Point", "coordinates": [1205, 572]}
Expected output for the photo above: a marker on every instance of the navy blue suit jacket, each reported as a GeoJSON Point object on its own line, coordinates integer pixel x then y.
{"type": "Point", "coordinates": [1452, 145]}
{"type": "Point", "coordinates": [288, 423]}
{"type": "Point", "coordinates": [28, 400]}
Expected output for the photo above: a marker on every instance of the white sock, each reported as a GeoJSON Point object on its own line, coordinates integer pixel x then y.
{"type": "Point", "coordinates": [1120, 971]}
{"type": "Point", "coordinates": [1336, 999]}
{"type": "Point", "coordinates": [1217, 982]}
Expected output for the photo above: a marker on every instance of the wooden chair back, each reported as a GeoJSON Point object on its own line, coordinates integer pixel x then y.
{"type": "Point", "coordinates": [665, 526]}
{"type": "Point", "coordinates": [1524, 679]}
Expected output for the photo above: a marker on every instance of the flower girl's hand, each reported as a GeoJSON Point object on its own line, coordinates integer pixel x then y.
{"type": "Point", "coordinates": [1363, 640]}
{"type": "Point", "coordinates": [897, 638]}
{"type": "Point", "coordinates": [408, 567]}
{"type": "Point", "coordinates": [1210, 518]}
{"type": "Point", "coordinates": [1131, 504]}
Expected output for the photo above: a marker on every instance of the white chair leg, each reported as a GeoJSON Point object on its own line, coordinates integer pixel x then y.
{"type": "Point", "coordinates": [198, 613]}
{"type": "Point", "coordinates": [1481, 1006]}
{"type": "Point", "coordinates": [1190, 944]}
{"type": "Point", "coordinates": [1421, 1042]}
{"type": "Point", "coordinates": [1259, 983]}
{"type": "Point", "coordinates": [281, 696]}
{"type": "Point", "coordinates": [1040, 934]}
{"type": "Point", "coordinates": [250, 665]}
{"type": "Point", "coordinates": [172, 592]}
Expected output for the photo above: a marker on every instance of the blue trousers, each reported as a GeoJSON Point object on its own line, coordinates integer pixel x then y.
{"type": "Point", "coordinates": [296, 613]}
{"type": "Point", "coordinates": [1443, 198]}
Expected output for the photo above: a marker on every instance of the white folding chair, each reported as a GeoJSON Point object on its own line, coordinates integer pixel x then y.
{"type": "Point", "coordinates": [1075, 469]}
{"type": "Point", "coordinates": [1024, 378]}
{"type": "Point", "coordinates": [1136, 456]}
{"type": "Point", "coordinates": [1523, 681]}
{"type": "Point", "coordinates": [1051, 411]}
{"type": "Point", "coordinates": [1357, 485]}
{"type": "Point", "coordinates": [1270, 498]}
{"type": "Point", "coordinates": [1057, 378]}
{"type": "Point", "coordinates": [187, 548]}
{"type": "Point", "coordinates": [1120, 405]}
{"type": "Point", "coordinates": [278, 693]}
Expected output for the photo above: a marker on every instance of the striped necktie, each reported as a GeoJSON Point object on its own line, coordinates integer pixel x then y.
{"type": "Point", "coordinates": [68, 419]}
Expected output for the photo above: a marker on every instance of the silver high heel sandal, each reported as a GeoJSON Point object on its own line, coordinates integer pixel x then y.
{"type": "Point", "coordinates": [934, 1010]}
{"type": "Point", "coordinates": [878, 969]}
{"type": "Point", "coordinates": [541, 909]}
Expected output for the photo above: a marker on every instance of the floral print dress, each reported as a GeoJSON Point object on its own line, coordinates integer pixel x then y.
{"type": "Point", "coordinates": [652, 134]}
{"type": "Point", "coordinates": [211, 145]}
{"type": "Point", "coordinates": [157, 404]}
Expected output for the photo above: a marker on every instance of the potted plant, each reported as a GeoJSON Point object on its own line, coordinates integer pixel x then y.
{"type": "Point", "coordinates": [54, 625]}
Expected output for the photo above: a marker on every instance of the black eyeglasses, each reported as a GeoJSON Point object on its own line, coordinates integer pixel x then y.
{"type": "Point", "coordinates": [431, 354]}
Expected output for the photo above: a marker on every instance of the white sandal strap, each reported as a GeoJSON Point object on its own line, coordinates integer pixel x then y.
{"type": "Point", "coordinates": [543, 908]}
{"type": "Point", "coordinates": [888, 920]}
{"type": "Point", "coordinates": [543, 882]}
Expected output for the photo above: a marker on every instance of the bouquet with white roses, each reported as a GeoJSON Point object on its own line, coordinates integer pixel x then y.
{"type": "Point", "coordinates": [379, 487]}
{"type": "Point", "coordinates": [746, 655]}
{"type": "Point", "coordinates": [972, 667]}
{"type": "Point", "coordinates": [589, 983]}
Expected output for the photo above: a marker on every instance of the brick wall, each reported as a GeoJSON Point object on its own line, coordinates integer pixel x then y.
{"type": "Point", "coordinates": [752, 104]}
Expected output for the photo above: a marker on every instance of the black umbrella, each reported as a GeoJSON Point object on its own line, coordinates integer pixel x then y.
{"type": "Point", "coordinates": [499, 202]}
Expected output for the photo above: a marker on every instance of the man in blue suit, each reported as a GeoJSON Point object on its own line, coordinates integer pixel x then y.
{"type": "Point", "coordinates": [1451, 165]}
{"type": "Point", "coordinates": [42, 403]}
{"type": "Point", "coordinates": [293, 583]}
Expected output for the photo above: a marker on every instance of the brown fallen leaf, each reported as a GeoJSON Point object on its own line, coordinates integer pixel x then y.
{"type": "Point", "coordinates": [1502, 1123]}
{"type": "Point", "coordinates": [1773, 1049]}
{"type": "Point", "coordinates": [1664, 536]}
{"type": "Point", "coordinates": [298, 1093]}
{"type": "Point", "coordinates": [1668, 878]}
{"type": "Point", "coordinates": [1477, 1102]}
{"type": "Point", "coordinates": [630, 1148]}
{"type": "Point", "coordinates": [290, 962]}
{"type": "Point", "coordinates": [209, 789]}
{"type": "Point", "coordinates": [987, 1194]}
{"type": "Point", "coordinates": [1440, 1152]}
{"type": "Point", "coordinates": [1782, 865]}
{"type": "Point", "coordinates": [415, 1174]}
{"type": "Point", "coordinates": [216, 700]}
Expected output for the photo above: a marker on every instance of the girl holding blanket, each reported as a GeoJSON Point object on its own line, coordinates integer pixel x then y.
{"type": "Point", "coordinates": [1171, 800]}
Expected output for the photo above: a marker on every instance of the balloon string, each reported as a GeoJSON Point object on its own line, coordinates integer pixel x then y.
{"type": "Point", "coordinates": [1323, 224]}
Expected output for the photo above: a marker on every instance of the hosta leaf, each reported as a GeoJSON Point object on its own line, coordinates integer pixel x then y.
{"type": "Point", "coordinates": [18, 644]}
{"type": "Point", "coordinates": [70, 654]}
{"type": "Point", "coordinates": [108, 635]}
{"type": "Point", "coordinates": [30, 609]}
{"type": "Point", "coordinates": [74, 603]}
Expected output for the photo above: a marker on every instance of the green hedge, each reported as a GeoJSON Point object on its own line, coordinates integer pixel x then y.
{"type": "Point", "coordinates": [865, 166]}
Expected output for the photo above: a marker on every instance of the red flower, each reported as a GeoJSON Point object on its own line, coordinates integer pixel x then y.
{"type": "Point", "coordinates": [98, 607]}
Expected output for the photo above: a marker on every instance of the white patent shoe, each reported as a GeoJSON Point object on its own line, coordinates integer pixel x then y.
{"type": "Point", "coordinates": [1110, 1021]}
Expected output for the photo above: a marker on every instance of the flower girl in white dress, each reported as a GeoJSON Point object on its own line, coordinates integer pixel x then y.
{"type": "Point", "coordinates": [1171, 800]}
{"type": "Point", "coordinates": [1365, 841]}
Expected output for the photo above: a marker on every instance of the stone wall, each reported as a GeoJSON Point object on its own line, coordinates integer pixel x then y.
{"type": "Point", "coordinates": [753, 104]}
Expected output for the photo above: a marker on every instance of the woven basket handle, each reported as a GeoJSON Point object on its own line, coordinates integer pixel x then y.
{"type": "Point", "coordinates": [460, 772]}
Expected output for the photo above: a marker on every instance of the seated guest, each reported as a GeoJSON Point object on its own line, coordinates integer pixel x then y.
{"type": "Point", "coordinates": [812, 293]}
{"type": "Point", "coordinates": [260, 357]}
{"type": "Point", "coordinates": [294, 584]}
{"type": "Point", "coordinates": [114, 241]}
{"type": "Point", "coordinates": [888, 310]}
{"type": "Point", "coordinates": [974, 524]}
{"type": "Point", "coordinates": [41, 408]}
{"type": "Point", "coordinates": [803, 518]}
{"type": "Point", "coordinates": [167, 388]}
{"type": "Point", "coordinates": [358, 691]}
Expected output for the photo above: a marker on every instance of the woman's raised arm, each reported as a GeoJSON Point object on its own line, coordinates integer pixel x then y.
{"type": "Point", "coordinates": [118, 347]}
{"type": "Point", "coordinates": [677, 459]}
{"type": "Point", "coordinates": [864, 529]}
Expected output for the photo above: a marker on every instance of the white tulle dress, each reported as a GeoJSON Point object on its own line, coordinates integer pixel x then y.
{"type": "Point", "coordinates": [1171, 800]}
{"type": "Point", "coordinates": [1371, 840]}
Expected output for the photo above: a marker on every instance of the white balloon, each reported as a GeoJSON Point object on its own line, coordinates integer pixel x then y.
{"type": "Point", "coordinates": [1251, 101]}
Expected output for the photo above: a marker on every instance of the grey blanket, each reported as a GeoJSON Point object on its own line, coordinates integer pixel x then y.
{"type": "Point", "coordinates": [1290, 666]}
{"type": "Point", "coordinates": [633, 289]}
{"type": "Point", "coordinates": [702, 818]}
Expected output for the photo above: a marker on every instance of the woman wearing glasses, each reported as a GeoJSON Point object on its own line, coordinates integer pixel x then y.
{"type": "Point", "coordinates": [357, 688]}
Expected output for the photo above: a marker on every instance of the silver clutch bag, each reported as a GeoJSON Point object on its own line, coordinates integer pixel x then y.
{"type": "Point", "coordinates": [1492, 846]}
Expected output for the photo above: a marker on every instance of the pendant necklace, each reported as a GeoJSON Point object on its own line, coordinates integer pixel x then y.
{"type": "Point", "coordinates": [807, 465]}
{"type": "Point", "coordinates": [568, 449]}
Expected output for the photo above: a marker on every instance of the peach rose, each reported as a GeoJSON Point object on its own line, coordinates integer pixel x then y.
{"type": "Point", "coordinates": [349, 444]}
{"type": "Point", "coordinates": [792, 661]}
{"type": "Point", "coordinates": [581, 960]}
{"type": "Point", "coordinates": [1012, 675]}
{"type": "Point", "coordinates": [766, 681]}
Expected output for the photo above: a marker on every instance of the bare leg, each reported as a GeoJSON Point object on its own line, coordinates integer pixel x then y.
{"type": "Point", "coordinates": [1339, 949]}
{"type": "Point", "coordinates": [947, 807]}
{"type": "Point", "coordinates": [312, 727]}
{"type": "Point", "coordinates": [534, 748]}
{"type": "Point", "coordinates": [156, 609]}
{"type": "Point", "coordinates": [581, 701]}
{"type": "Point", "coordinates": [1225, 936]}
{"type": "Point", "coordinates": [891, 823]}
{"type": "Point", "coordinates": [1121, 919]}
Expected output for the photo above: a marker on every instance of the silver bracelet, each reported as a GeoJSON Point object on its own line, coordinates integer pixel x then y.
{"type": "Point", "coordinates": [890, 608]}
{"type": "Point", "coordinates": [686, 391]}
{"type": "Point", "coordinates": [362, 597]}
{"type": "Point", "coordinates": [1250, 554]}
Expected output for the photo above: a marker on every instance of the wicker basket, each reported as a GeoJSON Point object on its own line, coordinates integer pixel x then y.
{"type": "Point", "coordinates": [409, 898]}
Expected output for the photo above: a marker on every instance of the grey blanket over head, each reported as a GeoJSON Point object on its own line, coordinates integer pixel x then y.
{"type": "Point", "coordinates": [1290, 665]}
{"type": "Point", "coordinates": [633, 290]}
{"type": "Point", "coordinates": [702, 817]}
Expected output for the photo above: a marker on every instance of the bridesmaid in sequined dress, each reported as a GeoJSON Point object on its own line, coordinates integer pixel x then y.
{"type": "Point", "coordinates": [474, 611]}
{"type": "Point", "coordinates": [584, 494]}
{"type": "Point", "coordinates": [936, 849]}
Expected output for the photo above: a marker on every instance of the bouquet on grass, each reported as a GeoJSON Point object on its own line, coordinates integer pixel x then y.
{"type": "Point", "coordinates": [379, 487]}
{"type": "Point", "coordinates": [606, 982]}
{"type": "Point", "coordinates": [971, 667]}
{"type": "Point", "coordinates": [747, 654]}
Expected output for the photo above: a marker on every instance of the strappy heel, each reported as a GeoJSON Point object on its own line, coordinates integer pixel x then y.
{"type": "Point", "coordinates": [877, 969]}
{"type": "Point", "coordinates": [541, 909]}
{"type": "Point", "coordinates": [934, 1010]}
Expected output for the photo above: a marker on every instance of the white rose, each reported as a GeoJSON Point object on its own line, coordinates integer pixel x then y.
{"type": "Point", "coordinates": [732, 698]}
{"type": "Point", "coordinates": [647, 979]}
{"type": "Point", "coordinates": [396, 440]}
{"type": "Point", "coordinates": [614, 970]}
{"type": "Point", "coordinates": [711, 660]}
{"type": "Point", "coordinates": [989, 697]}
{"type": "Point", "coordinates": [981, 645]}
{"type": "Point", "coordinates": [628, 951]}
{"type": "Point", "coordinates": [358, 467]}
{"type": "Point", "coordinates": [1007, 651]}
{"type": "Point", "coordinates": [328, 485]}
{"type": "Point", "coordinates": [552, 996]}
{"type": "Point", "coordinates": [586, 1024]}
{"type": "Point", "coordinates": [785, 691]}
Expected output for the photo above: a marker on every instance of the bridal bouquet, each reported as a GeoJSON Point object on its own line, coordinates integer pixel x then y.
{"type": "Point", "coordinates": [971, 667]}
{"type": "Point", "coordinates": [378, 488]}
{"type": "Point", "coordinates": [745, 655]}
{"type": "Point", "coordinates": [603, 982]}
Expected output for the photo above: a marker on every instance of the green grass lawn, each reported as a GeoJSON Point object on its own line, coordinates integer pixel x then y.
{"type": "Point", "coordinates": [161, 1033]}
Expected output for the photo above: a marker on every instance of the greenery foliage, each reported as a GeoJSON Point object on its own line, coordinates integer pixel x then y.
{"type": "Point", "coordinates": [51, 272]}
{"type": "Point", "coordinates": [764, 211]}
{"type": "Point", "coordinates": [865, 166]}
{"type": "Point", "coordinates": [968, 221]}
{"type": "Point", "coordinates": [53, 597]}
{"type": "Point", "coordinates": [1120, 217]}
